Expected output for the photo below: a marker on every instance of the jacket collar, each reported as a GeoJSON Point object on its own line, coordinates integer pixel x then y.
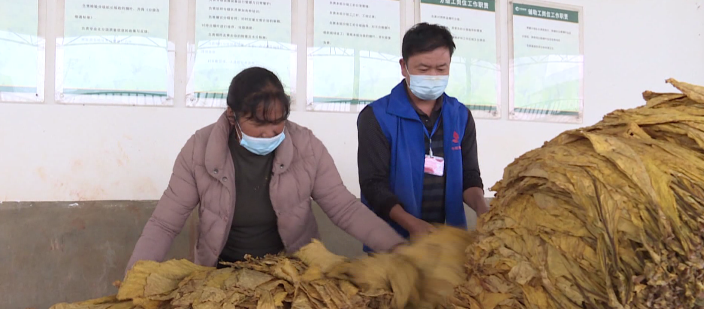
{"type": "Point", "coordinates": [401, 106]}
{"type": "Point", "coordinates": [284, 153]}
{"type": "Point", "coordinates": [218, 159]}
{"type": "Point", "coordinates": [216, 150]}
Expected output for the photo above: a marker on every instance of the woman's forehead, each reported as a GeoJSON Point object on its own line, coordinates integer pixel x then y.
{"type": "Point", "coordinates": [274, 108]}
{"type": "Point", "coordinates": [273, 112]}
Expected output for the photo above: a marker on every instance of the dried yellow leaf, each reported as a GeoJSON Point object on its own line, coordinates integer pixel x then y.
{"type": "Point", "coordinates": [251, 279]}
{"type": "Point", "coordinates": [266, 301]}
{"type": "Point", "coordinates": [136, 279]}
{"type": "Point", "coordinates": [315, 254]}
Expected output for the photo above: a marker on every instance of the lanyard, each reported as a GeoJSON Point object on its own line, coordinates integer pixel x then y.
{"type": "Point", "coordinates": [431, 134]}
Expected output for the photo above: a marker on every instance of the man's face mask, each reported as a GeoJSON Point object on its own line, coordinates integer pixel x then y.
{"type": "Point", "coordinates": [427, 87]}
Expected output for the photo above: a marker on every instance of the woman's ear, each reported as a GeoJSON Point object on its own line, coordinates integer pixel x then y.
{"type": "Point", "coordinates": [230, 116]}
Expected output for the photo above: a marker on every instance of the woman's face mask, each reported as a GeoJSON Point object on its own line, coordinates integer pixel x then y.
{"type": "Point", "coordinates": [427, 87]}
{"type": "Point", "coordinates": [257, 145]}
{"type": "Point", "coordinates": [260, 145]}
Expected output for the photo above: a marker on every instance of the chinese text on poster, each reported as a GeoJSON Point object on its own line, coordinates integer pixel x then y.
{"type": "Point", "coordinates": [234, 35]}
{"type": "Point", "coordinates": [547, 64]}
{"type": "Point", "coordinates": [355, 53]}
{"type": "Point", "coordinates": [114, 51]}
{"type": "Point", "coordinates": [475, 74]}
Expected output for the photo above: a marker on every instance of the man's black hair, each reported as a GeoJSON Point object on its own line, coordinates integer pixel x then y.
{"type": "Point", "coordinates": [255, 92]}
{"type": "Point", "coordinates": [424, 37]}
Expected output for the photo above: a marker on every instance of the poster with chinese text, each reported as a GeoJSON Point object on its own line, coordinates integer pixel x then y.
{"type": "Point", "coordinates": [354, 59]}
{"type": "Point", "coordinates": [115, 52]}
{"type": "Point", "coordinates": [547, 64]}
{"type": "Point", "coordinates": [475, 74]}
{"type": "Point", "coordinates": [231, 36]}
{"type": "Point", "coordinates": [22, 52]}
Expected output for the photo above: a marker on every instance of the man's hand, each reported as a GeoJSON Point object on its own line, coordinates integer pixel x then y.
{"type": "Point", "coordinates": [482, 207]}
{"type": "Point", "coordinates": [414, 226]}
{"type": "Point", "coordinates": [474, 197]}
{"type": "Point", "coordinates": [417, 227]}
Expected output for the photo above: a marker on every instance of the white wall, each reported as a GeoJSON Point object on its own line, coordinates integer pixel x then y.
{"type": "Point", "coordinates": [54, 152]}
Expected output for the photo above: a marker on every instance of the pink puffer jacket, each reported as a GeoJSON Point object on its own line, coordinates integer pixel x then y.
{"type": "Point", "coordinates": [204, 176]}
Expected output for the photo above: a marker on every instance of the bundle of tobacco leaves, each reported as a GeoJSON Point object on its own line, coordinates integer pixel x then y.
{"type": "Point", "coordinates": [609, 216]}
{"type": "Point", "coordinates": [420, 275]}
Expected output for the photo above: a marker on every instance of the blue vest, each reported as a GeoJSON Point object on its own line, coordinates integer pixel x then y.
{"type": "Point", "coordinates": [405, 133]}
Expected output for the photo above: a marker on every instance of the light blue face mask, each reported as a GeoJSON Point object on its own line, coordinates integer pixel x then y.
{"type": "Point", "coordinates": [260, 145]}
{"type": "Point", "coordinates": [427, 87]}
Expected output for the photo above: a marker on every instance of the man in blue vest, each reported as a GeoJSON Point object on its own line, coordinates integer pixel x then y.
{"type": "Point", "coordinates": [417, 152]}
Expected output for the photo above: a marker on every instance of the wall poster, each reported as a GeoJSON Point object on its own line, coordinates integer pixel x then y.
{"type": "Point", "coordinates": [475, 74]}
{"type": "Point", "coordinates": [546, 63]}
{"type": "Point", "coordinates": [115, 52]}
{"type": "Point", "coordinates": [22, 50]}
{"type": "Point", "coordinates": [233, 35]}
{"type": "Point", "coordinates": [355, 52]}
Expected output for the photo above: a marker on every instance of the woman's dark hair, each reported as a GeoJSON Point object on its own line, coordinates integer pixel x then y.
{"type": "Point", "coordinates": [255, 92]}
{"type": "Point", "coordinates": [423, 38]}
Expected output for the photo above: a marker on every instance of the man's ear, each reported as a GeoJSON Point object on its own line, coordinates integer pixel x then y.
{"type": "Point", "coordinates": [404, 70]}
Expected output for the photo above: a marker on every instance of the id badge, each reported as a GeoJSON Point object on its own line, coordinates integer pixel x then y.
{"type": "Point", "coordinates": [434, 165]}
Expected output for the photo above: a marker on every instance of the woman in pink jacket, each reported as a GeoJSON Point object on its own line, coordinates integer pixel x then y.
{"type": "Point", "coordinates": [252, 175]}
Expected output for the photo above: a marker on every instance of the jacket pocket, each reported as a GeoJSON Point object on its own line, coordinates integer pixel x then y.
{"type": "Point", "coordinates": [208, 223]}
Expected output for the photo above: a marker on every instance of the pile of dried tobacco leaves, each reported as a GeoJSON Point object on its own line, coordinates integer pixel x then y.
{"type": "Point", "coordinates": [313, 278]}
{"type": "Point", "coordinates": [610, 216]}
